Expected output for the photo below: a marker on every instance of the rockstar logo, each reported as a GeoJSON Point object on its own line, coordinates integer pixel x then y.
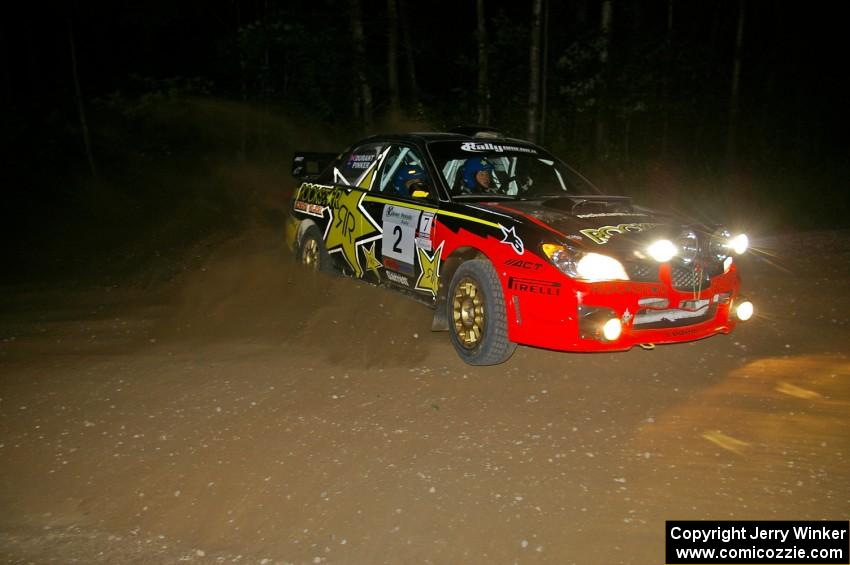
{"type": "Point", "coordinates": [429, 270]}
{"type": "Point", "coordinates": [372, 263]}
{"type": "Point", "coordinates": [511, 238]}
{"type": "Point", "coordinates": [349, 226]}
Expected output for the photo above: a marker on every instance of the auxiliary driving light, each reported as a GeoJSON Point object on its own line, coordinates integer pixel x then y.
{"type": "Point", "coordinates": [611, 329]}
{"type": "Point", "coordinates": [744, 310]}
{"type": "Point", "coordinates": [662, 250]}
{"type": "Point", "coordinates": [739, 243]}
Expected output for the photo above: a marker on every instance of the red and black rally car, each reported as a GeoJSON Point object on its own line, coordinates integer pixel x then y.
{"type": "Point", "coordinates": [511, 246]}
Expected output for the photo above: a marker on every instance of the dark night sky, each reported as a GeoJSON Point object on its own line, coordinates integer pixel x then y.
{"type": "Point", "coordinates": [792, 147]}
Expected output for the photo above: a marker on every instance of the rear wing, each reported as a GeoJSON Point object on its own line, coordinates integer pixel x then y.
{"type": "Point", "coordinates": [308, 166]}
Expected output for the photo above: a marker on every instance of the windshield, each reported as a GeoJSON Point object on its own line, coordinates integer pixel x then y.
{"type": "Point", "coordinates": [504, 170]}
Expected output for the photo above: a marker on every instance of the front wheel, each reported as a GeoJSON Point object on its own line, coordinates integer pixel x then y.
{"type": "Point", "coordinates": [478, 322]}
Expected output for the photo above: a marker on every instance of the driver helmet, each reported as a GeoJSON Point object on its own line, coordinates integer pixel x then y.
{"type": "Point", "coordinates": [472, 167]}
{"type": "Point", "coordinates": [408, 177]}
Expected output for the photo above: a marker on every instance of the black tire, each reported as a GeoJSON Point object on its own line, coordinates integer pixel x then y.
{"type": "Point", "coordinates": [312, 253]}
{"type": "Point", "coordinates": [478, 323]}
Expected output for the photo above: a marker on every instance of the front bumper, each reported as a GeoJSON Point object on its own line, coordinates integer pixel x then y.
{"type": "Point", "coordinates": [649, 313]}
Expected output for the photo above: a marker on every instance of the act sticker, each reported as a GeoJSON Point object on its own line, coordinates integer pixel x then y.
{"type": "Point", "coordinates": [400, 227]}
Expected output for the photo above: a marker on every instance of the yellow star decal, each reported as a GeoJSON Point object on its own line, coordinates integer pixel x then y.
{"type": "Point", "coordinates": [348, 224]}
{"type": "Point", "coordinates": [429, 270]}
{"type": "Point", "coordinates": [372, 263]}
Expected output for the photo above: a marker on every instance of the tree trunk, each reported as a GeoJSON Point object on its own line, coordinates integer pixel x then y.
{"type": "Point", "coordinates": [732, 132]}
{"type": "Point", "coordinates": [8, 97]}
{"type": "Point", "coordinates": [81, 110]}
{"type": "Point", "coordinates": [392, 58]}
{"type": "Point", "coordinates": [243, 90]}
{"type": "Point", "coordinates": [601, 137]}
{"type": "Point", "coordinates": [483, 72]}
{"type": "Point", "coordinates": [665, 83]}
{"type": "Point", "coordinates": [409, 59]}
{"type": "Point", "coordinates": [365, 91]}
{"type": "Point", "coordinates": [534, 71]}
{"type": "Point", "coordinates": [545, 74]}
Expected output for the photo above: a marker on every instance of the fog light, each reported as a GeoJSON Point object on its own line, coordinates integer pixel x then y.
{"type": "Point", "coordinates": [612, 328]}
{"type": "Point", "coordinates": [744, 310]}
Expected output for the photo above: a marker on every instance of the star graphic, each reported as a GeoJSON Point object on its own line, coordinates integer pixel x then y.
{"type": "Point", "coordinates": [372, 263]}
{"type": "Point", "coordinates": [429, 270]}
{"type": "Point", "coordinates": [349, 223]}
{"type": "Point", "coordinates": [511, 238]}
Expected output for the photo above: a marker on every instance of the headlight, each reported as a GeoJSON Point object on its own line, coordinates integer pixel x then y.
{"type": "Point", "coordinates": [662, 250]}
{"type": "Point", "coordinates": [591, 267]}
{"type": "Point", "coordinates": [688, 246]}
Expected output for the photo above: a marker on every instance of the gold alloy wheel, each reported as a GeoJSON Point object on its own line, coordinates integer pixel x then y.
{"type": "Point", "coordinates": [468, 313]}
{"type": "Point", "coordinates": [310, 255]}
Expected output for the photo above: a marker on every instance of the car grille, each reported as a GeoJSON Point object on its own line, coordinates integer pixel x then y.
{"type": "Point", "coordinates": [689, 277]}
{"type": "Point", "coordinates": [642, 272]}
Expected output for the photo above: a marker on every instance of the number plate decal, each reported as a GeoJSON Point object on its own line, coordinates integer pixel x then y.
{"type": "Point", "coordinates": [400, 230]}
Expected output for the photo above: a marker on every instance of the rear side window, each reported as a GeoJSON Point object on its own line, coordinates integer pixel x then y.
{"type": "Point", "coordinates": [355, 167]}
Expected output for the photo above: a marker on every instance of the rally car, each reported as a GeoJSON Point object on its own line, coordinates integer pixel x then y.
{"type": "Point", "coordinates": [510, 246]}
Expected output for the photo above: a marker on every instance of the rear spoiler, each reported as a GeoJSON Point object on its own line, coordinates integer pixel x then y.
{"type": "Point", "coordinates": [308, 166]}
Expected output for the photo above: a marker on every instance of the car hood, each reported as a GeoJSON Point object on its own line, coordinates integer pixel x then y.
{"type": "Point", "coordinates": [612, 222]}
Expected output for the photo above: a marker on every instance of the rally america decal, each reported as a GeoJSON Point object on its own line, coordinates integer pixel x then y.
{"type": "Point", "coordinates": [603, 234]}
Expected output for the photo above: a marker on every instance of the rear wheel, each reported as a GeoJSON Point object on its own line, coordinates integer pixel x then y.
{"type": "Point", "coordinates": [312, 253]}
{"type": "Point", "coordinates": [477, 319]}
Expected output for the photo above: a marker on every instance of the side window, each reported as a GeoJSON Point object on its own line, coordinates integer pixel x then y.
{"type": "Point", "coordinates": [357, 167]}
{"type": "Point", "coordinates": [403, 174]}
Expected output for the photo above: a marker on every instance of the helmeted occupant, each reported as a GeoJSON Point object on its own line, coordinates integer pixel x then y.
{"type": "Point", "coordinates": [477, 175]}
{"type": "Point", "coordinates": [410, 178]}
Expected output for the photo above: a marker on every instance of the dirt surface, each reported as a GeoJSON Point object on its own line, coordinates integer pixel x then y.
{"type": "Point", "coordinates": [251, 413]}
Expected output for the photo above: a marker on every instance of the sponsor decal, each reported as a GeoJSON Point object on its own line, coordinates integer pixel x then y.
{"type": "Point", "coordinates": [316, 194]}
{"type": "Point", "coordinates": [499, 148]}
{"type": "Point", "coordinates": [429, 270]}
{"type": "Point", "coordinates": [646, 290]}
{"type": "Point", "coordinates": [510, 237]}
{"type": "Point", "coordinates": [520, 264]}
{"type": "Point", "coordinates": [534, 286]}
{"type": "Point", "coordinates": [603, 234]}
{"type": "Point", "coordinates": [396, 266]}
{"type": "Point", "coordinates": [350, 226]}
{"type": "Point", "coordinates": [397, 278]}
{"type": "Point", "coordinates": [603, 214]}
{"type": "Point", "coordinates": [684, 331]}
{"type": "Point", "coordinates": [311, 209]}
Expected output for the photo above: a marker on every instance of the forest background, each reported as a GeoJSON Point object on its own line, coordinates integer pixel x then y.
{"type": "Point", "coordinates": [138, 130]}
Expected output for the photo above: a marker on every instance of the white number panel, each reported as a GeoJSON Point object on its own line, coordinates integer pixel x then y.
{"type": "Point", "coordinates": [400, 226]}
